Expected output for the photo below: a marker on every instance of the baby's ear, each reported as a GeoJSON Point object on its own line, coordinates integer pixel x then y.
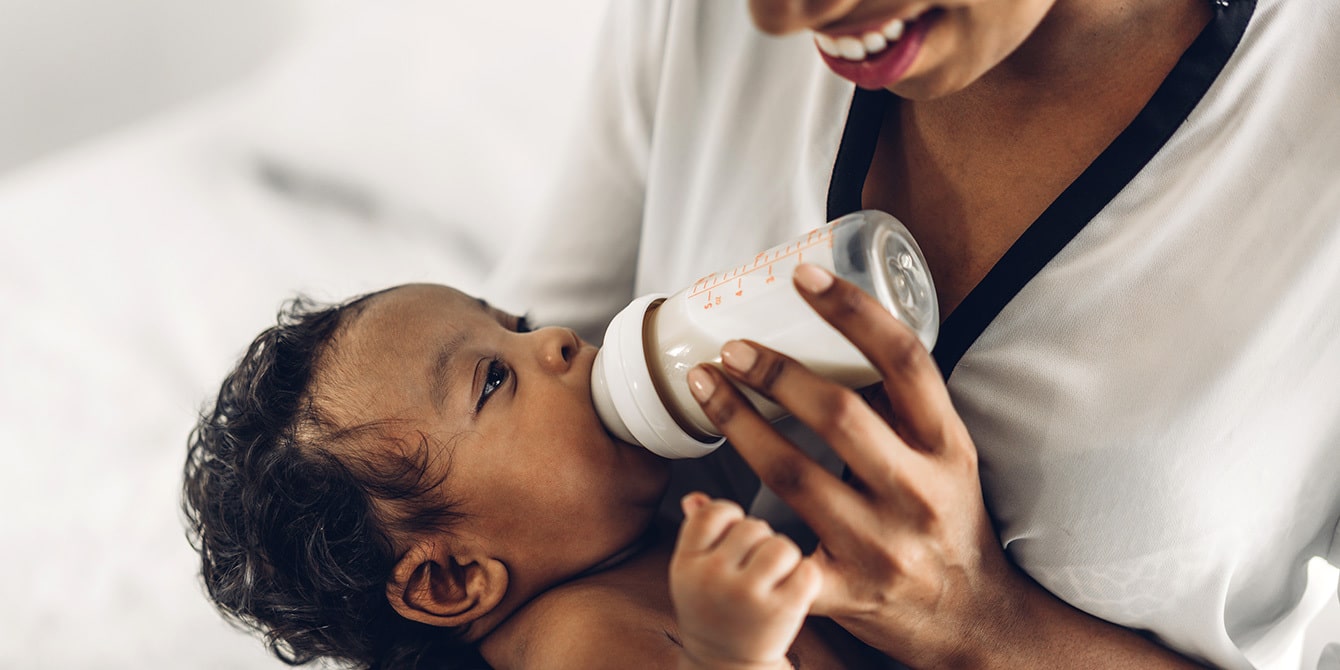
{"type": "Point", "coordinates": [439, 586]}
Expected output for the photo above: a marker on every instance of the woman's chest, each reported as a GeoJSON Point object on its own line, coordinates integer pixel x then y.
{"type": "Point", "coordinates": [967, 198]}
{"type": "Point", "coordinates": [1152, 421]}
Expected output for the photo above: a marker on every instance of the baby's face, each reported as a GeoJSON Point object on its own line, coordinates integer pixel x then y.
{"type": "Point", "coordinates": [509, 418]}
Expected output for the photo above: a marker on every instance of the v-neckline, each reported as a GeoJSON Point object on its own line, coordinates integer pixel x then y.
{"type": "Point", "coordinates": [1099, 183]}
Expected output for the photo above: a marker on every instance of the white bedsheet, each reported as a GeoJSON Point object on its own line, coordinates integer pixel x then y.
{"type": "Point", "coordinates": [134, 270]}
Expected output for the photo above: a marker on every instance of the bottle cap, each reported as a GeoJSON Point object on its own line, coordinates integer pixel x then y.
{"type": "Point", "coordinates": [625, 397]}
{"type": "Point", "coordinates": [899, 277]}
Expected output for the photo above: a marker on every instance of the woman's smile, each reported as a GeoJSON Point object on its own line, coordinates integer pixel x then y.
{"type": "Point", "coordinates": [918, 50]}
{"type": "Point", "coordinates": [876, 56]}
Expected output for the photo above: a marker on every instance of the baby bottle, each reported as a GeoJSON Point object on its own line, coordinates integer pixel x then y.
{"type": "Point", "coordinates": [638, 383]}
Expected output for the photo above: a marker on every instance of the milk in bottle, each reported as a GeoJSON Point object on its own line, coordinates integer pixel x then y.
{"type": "Point", "coordinates": [638, 382]}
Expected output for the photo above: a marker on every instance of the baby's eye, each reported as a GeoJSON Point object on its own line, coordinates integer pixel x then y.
{"type": "Point", "coordinates": [496, 376]}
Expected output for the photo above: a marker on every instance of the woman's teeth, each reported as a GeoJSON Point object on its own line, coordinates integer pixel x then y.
{"type": "Point", "coordinates": [854, 48]}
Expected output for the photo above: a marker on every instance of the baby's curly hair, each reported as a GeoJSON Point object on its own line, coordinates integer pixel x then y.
{"type": "Point", "coordinates": [297, 543]}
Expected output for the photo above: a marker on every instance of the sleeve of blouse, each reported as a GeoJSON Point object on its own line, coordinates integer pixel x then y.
{"type": "Point", "coordinates": [1330, 652]}
{"type": "Point", "coordinates": [1334, 555]}
{"type": "Point", "coordinates": [574, 265]}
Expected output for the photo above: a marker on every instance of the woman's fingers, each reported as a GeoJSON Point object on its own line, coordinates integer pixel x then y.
{"type": "Point", "coordinates": [834, 597]}
{"type": "Point", "coordinates": [837, 414]}
{"type": "Point", "coordinates": [916, 391]}
{"type": "Point", "coordinates": [817, 496]}
{"type": "Point", "coordinates": [906, 547]}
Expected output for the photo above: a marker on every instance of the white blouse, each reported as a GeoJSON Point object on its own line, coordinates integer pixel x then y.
{"type": "Point", "coordinates": [1151, 373]}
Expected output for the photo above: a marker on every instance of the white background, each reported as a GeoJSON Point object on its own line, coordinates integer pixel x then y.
{"type": "Point", "coordinates": [70, 69]}
{"type": "Point", "coordinates": [129, 135]}
{"type": "Point", "coordinates": [170, 172]}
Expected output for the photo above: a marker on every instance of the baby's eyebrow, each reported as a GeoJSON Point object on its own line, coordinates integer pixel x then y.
{"type": "Point", "coordinates": [437, 373]}
{"type": "Point", "coordinates": [506, 319]}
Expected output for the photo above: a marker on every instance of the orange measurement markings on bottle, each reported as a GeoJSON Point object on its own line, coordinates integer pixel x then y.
{"type": "Point", "coordinates": [762, 262]}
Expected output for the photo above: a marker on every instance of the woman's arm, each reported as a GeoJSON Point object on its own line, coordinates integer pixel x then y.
{"type": "Point", "coordinates": [575, 263]}
{"type": "Point", "coordinates": [910, 561]}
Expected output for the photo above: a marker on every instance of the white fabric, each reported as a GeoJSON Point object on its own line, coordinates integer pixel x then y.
{"type": "Point", "coordinates": [1156, 410]}
{"type": "Point", "coordinates": [443, 110]}
{"type": "Point", "coordinates": [135, 269]}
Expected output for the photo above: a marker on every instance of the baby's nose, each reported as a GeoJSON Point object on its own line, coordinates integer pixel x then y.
{"type": "Point", "coordinates": [558, 346]}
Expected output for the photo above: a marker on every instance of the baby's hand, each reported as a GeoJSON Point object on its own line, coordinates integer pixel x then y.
{"type": "Point", "coordinates": [741, 591]}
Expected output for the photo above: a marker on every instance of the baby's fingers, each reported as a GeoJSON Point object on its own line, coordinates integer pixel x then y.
{"type": "Point", "coordinates": [803, 584]}
{"type": "Point", "coordinates": [705, 523]}
{"type": "Point", "coordinates": [773, 559]}
{"type": "Point", "coordinates": [741, 540]}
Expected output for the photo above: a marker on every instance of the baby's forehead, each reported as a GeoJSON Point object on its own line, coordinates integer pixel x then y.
{"type": "Point", "coordinates": [378, 361]}
{"type": "Point", "coordinates": [406, 310]}
{"type": "Point", "coordinates": [412, 303]}
{"type": "Point", "coordinates": [402, 330]}
{"type": "Point", "coordinates": [418, 298]}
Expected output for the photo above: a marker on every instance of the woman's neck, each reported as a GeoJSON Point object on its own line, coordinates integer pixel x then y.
{"type": "Point", "coordinates": [1095, 45]}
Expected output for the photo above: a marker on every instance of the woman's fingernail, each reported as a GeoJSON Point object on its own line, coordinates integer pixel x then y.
{"type": "Point", "coordinates": [738, 356]}
{"type": "Point", "coordinates": [813, 278]}
{"type": "Point", "coordinates": [701, 384]}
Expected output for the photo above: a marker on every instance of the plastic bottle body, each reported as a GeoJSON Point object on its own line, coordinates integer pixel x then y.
{"type": "Point", "coordinates": [754, 300]}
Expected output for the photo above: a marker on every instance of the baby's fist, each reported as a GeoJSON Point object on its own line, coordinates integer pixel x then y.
{"type": "Point", "coordinates": [741, 591]}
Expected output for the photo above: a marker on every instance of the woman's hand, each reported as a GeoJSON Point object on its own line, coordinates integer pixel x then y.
{"type": "Point", "coordinates": [909, 559]}
{"type": "Point", "coordinates": [741, 591]}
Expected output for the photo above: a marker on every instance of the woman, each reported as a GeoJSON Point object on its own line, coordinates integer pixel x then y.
{"type": "Point", "coordinates": [1129, 210]}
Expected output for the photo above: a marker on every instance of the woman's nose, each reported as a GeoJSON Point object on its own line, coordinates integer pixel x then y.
{"type": "Point", "coordinates": [557, 348]}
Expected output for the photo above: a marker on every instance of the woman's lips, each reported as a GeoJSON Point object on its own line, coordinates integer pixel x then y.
{"type": "Point", "coordinates": [878, 58]}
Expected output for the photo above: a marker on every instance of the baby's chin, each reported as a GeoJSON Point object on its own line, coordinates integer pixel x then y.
{"type": "Point", "coordinates": [647, 534]}
{"type": "Point", "coordinates": [648, 474]}
{"type": "Point", "coordinates": [657, 475]}
{"type": "Point", "coordinates": [647, 495]}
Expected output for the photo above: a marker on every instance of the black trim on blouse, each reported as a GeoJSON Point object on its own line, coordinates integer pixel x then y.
{"type": "Point", "coordinates": [1114, 168]}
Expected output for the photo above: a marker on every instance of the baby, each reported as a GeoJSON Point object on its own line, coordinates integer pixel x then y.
{"type": "Point", "coordinates": [415, 479]}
